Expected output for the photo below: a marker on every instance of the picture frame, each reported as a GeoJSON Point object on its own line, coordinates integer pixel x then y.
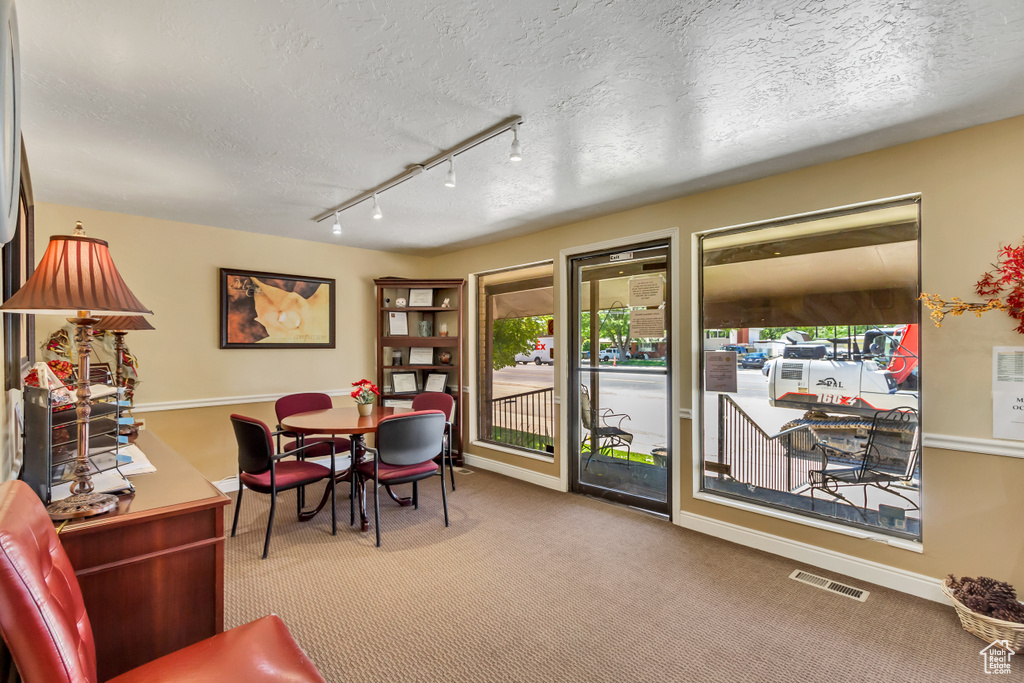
{"type": "Point", "coordinates": [403, 383]}
{"type": "Point", "coordinates": [276, 311]}
{"type": "Point", "coordinates": [398, 403]}
{"type": "Point", "coordinates": [421, 355]}
{"type": "Point", "coordinates": [437, 382]}
{"type": "Point", "coordinates": [421, 298]}
{"type": "Point", "coordinates": [398, 324]}
{"type": "Point", "coordinates": [18, 258]}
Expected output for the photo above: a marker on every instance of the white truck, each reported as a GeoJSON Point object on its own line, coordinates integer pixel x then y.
{"type": "Point", "coordinates": [542, 354]}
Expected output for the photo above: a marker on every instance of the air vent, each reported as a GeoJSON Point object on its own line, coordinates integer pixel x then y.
{"type": "Point", "coordinates": [829, 585]}
{"type": "Point", "coordinates": [793, 371]}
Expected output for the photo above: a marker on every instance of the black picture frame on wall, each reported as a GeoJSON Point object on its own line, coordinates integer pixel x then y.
{"type": "Point", "coordinates": [260, 310]}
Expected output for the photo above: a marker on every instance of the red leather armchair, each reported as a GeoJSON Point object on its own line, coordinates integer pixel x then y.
{"type": "Point", "coordinates": [46, 628]}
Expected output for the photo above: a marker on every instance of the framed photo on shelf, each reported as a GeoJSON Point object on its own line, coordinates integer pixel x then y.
{"type": "Point", "coordinates": [421, 297]}
{"type": "Point", "coordinates": [436, 381]}
{"type": "Point", "coordinates": [403, 383]}
{"type": "Point", "coordinates": [398, 323]}
{"type": "Point", "coordinates": [275, 311]}
{"type": "Point", "coordinates": [397, 403]}
{"type": "Point", "coordinates": [421, 355]}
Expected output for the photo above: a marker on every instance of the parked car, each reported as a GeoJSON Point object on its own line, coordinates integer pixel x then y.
{"type": "Point", "coordinates": [740, 349]}
{"type": "Point", "coordinates": [754, 360]}
{"type": "Point", "coordinates": [611, 353]}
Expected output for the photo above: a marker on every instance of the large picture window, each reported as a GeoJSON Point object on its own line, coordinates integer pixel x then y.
{"type": "Point", "coordinates": [810, 374]}
{"type": "Point", "coordinates": [516, 358]}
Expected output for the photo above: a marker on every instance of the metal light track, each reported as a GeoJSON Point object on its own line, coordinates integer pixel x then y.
{"type": "Point", "coordinates": [430, 163]}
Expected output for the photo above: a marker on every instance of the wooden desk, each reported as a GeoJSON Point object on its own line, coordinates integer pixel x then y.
{"type": "Point", "coordinates": [152, 572]}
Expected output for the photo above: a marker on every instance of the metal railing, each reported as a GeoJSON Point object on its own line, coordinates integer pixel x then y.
{"type": "Point", "coordinates": [523, 420]}
{"type": "Point", "coordinates": [749, 455]}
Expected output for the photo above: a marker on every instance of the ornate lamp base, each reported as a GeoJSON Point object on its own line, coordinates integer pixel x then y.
{"type": "Point", "coordinates": [82, 505]}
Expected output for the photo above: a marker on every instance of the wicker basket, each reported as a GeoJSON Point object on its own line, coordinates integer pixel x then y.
{"type": "Point", "coordinates": [986, 628]}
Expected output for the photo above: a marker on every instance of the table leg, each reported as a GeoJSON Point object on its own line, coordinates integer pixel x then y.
{"type": "Point", "coordinates": [358, 451]}
{"type": "Point", "coordinates": [404, 502]}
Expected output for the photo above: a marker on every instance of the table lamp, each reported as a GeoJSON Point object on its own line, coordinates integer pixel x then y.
{"type": "Point", "coordinates": [77, 277]}
{"type": "Point", "coordinates": [119, 326]}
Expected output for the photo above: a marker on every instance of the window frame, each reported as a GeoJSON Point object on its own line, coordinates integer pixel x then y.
{"type": "Point", "coordinates": [804, 518]}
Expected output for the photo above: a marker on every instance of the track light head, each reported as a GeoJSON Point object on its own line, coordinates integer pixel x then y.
{"type": "Point", "coordinates": [515, 153]}
{"type": "Point", "coordinates": [337, 223]}
{"type": "Point", "coordinates": [449, 177]}
{"type": "Point", "coordinates": [377, 213]}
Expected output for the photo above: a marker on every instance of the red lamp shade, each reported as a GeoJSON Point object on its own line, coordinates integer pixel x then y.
{"type": "Point", "coordinates": [122, 323]}
{"type": "Point", "coordinates": [75, 274]}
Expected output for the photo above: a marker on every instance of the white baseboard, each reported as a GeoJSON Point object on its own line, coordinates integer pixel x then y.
{"type": "Point", "coordinates": [890, 577]}
{"type": "Point", "coordinates": [546, 480]}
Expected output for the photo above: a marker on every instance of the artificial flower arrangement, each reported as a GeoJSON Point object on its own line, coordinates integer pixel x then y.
{"type": "Point", "coordinates": [1002, 287]}
{"type": "Point", "coordinates": [365, 392]}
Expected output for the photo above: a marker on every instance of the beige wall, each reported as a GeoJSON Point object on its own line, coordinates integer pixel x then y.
{"type": "Point", "coordinates": [173, 268]}
{"type": "Point", "coordinates": [971, 203]}
{"type": "Point", "coordinates": [970, 185]}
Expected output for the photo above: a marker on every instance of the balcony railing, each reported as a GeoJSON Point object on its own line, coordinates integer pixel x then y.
{"type": "Point", "coordinates": [749, 455]}
{"type": "Point", "coordinates": [523, 421]}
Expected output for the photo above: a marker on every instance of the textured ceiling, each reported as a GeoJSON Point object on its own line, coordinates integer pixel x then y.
{"type": "Point", "coordinates": [258, 115]}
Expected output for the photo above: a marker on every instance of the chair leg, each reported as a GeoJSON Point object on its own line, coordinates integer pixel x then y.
{"type": "Point", "coordinates": [334, 507]}
{"type": "Point", "coordinates": [270, 523]}
{"type": "Point", "coordinates": [298, 499]}
{"type": "Point", "coordinates": [416, 494]}
{"type": "Point", "coordinates": [444, 499]}
{"type": "Point", "coordinates": [376, 509]}
{"type": "Point", "coordinates": [238, 506]}
{"type": "Point", "coordinates": [451, 463]}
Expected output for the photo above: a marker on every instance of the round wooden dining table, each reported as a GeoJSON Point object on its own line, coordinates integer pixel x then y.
{"type": "Point", "coordinates": [345, 422]}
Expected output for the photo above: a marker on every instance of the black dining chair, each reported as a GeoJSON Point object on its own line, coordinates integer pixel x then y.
{"type": "Point", "coordinates": [406, 446]}
{"type": "Point", "coordinates": [260, 470]}
{"type": "Point", "coordinates": [436, 400]}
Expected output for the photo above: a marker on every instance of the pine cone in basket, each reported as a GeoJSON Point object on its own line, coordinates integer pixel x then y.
{"type": "Point", "coordinates": [988, 597]}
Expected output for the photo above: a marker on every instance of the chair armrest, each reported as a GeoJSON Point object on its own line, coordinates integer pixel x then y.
{"type": "Point", "coordinates": [293, 451]}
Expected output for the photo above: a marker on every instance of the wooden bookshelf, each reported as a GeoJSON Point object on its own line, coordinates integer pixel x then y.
{"type": "Point", "coordinates": [389, 291]}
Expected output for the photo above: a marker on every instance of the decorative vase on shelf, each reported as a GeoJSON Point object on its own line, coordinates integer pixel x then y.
{"type": "Point", "coordinates": [364, 409]}
{"type": "Point", "coordinates": [445, 357]}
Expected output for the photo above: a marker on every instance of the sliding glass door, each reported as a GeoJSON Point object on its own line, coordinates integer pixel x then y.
{"type": "Point", "coordinates": [620, 376]}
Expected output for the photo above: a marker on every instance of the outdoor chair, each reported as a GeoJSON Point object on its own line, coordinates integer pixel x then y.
{"type": "Point", "coordinates": [895, 435]}
{"type": "Point", "coordinates": [435, 400]}
{"type": "Point", "coordinates": [607, 436]}
{"type": "Point", "coordinates": [406, 446]}
{"type": "Point", "coordinates": [260, 470]}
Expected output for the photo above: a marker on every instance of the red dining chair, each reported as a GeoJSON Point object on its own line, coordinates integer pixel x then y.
{"type": "Point", "coordinates": [261, 471]}
{"type": "Point", "coordinates": [46, 627]}
{"type": "Point", "coordinates": [293, 404]}
{"type": "Point", "coordinates": [406, 446]}
{"type": "Point", "coordinates": [436, 400]}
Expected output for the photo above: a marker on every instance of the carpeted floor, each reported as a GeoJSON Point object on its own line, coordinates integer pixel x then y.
{"type": "Point", "coordinates": [532, 585]}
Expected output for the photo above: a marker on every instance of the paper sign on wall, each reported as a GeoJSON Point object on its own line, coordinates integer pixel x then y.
{"type": "Point", "coordinates": [720, 371]}
{"type": "Point", "coordinates": [649, 324]}
{"type": "Point", "coordinates": [646, 291]}
{"type": "Point", "coordinates": [1008, 392]}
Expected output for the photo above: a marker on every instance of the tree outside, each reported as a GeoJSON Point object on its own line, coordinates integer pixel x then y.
{"type": "Point", "coordinates": [515, 335]}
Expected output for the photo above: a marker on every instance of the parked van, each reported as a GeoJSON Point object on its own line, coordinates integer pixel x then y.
{"type": "Point", "coordinates": [543, 352]}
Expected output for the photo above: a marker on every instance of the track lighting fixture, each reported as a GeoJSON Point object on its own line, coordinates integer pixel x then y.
{"type": "Point", "coordinates": [515, 153]}
{"type": "Point", "coordinates": [449, 177]}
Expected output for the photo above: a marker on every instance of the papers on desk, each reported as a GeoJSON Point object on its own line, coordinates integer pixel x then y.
{"type": "Point", "coordinates": [130, 461]}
